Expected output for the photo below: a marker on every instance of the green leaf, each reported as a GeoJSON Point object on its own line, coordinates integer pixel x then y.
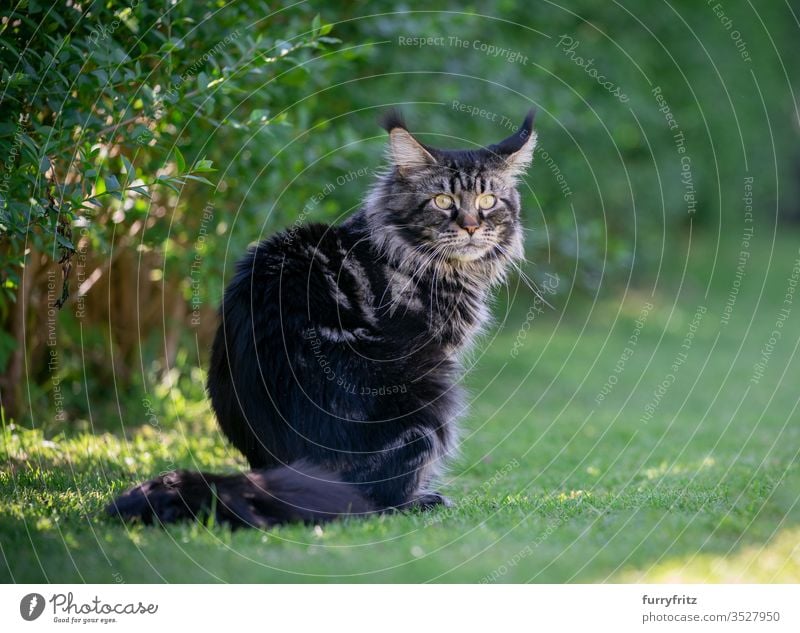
{"type": "Point", "coordinates": [205, 181]}
{"type": "Point", "coordinates": [94, 201]}
{"type": "Point", "coordinates": [129, 170]}
{"type": "Point", "coordinates": [64, 242]}
{"type": "Point", "coordinates": [113, 188]}
{"type": "Point", "coordinates": [28, 142]}
{"type": "Point", "coordinates": [167, 182]}
{"type": "Point", "coordinates": [173, 44]}
{"type": "Point", "coordinates": [142, 134]}
{"type": "Point", "coordinates": [140, 189]}
{"type": "Point", "coordinates": [8, 46]}
{"type": "Point", "coordinates": [259, 115]}
{"type": "Point", "coordinates": [112, 184]}
{"type": "Point", "coordinates": [179, 160]}
{"type": "Point", "coordinates": [203, 165]}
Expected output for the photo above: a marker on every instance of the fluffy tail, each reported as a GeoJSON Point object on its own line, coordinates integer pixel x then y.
{"type": "Point", "coordinates": [259, 498]}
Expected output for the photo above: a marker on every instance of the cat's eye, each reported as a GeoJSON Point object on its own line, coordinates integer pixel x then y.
{"type": "Point", "coordinates": [443, 202]}
{"type": "Point", "coordinates": [486, 201]}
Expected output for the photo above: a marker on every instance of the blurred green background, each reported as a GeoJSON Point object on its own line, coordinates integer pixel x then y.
{"type": "Point", "coordinates": [144, 147]}
{"type": "Point", "coordinates": [104, 103]}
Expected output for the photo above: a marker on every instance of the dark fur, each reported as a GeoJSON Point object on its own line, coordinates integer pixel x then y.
{"type": "Point", "coordinates": [336, 365]}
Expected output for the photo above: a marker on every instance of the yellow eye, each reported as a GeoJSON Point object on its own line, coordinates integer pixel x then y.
{"type": "Point", "coordinates": [486, 201]}
{"type": "Point", "coordinates": [443, 202]}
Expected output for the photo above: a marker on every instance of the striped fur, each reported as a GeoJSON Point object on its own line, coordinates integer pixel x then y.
{"type": "Point", "coordinates": [335, 369]}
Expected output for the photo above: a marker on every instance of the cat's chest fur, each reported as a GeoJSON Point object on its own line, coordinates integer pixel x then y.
{"type": "Point", "coordinates": [408, 302]}
{"type": "Point", "coordinates": [450, 307]}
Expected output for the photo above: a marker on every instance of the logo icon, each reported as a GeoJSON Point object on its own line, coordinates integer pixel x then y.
{"type": "Point", "coordinates": [31, 606]}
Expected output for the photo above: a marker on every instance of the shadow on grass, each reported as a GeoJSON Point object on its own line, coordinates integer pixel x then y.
{"type": "Point", "coordinates": [662, 527]}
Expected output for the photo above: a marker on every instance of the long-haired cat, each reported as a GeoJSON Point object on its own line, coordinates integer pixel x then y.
{"type": "Point", "coordinates": [335, 368]}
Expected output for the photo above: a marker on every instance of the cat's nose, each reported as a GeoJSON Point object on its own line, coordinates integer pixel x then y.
{"type": "Point", "coordinates": [469, 223]}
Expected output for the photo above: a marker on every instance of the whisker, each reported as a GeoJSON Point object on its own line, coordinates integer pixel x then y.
{"type": "Point", "coordinates": [526, 279]}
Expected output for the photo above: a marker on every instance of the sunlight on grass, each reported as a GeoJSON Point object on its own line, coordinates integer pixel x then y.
{"type": "Point", "coordinates": [551, 485]}
{"type": "Point", "coordinates": [776, 561]}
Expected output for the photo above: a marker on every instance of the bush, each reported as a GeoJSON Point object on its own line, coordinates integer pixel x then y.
{"type": "Point", "coordinates": [114, 118]}
{"type": "Point", "coordinates": [144, 148]}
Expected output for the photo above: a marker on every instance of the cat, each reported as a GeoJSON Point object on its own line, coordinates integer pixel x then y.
{"type": "Point", "coordinates": [336, 366]}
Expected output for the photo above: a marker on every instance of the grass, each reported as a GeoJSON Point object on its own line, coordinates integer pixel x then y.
{"type": "Point", "coordinates": [553, 485]}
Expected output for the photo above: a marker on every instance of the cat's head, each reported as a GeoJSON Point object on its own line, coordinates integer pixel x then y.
{"type": "Point", "coordinates": [458, 206]}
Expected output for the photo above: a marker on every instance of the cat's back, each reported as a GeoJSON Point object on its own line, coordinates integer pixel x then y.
{"type": "Point", "coordinates": [317, 269]}
{"type": "Point", "coordinates": [287, 257]}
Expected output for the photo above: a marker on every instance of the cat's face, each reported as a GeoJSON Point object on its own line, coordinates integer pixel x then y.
{"type": "Point", "coordinates": [456, 206]}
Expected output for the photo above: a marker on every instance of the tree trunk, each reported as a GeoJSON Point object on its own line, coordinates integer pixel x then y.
{"type": "Point", "coordinates": [12, 379]}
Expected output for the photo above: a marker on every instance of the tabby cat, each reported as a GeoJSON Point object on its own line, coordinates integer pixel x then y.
{"type": "Point", "coordinates": [335, 368]}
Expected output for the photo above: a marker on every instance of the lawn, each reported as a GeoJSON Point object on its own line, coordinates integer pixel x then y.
{"type": "Point", "coordinates": [606, 441]}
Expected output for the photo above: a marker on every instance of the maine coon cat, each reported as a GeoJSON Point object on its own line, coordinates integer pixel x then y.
{"type": "Point", "coordinates": [335, 368]}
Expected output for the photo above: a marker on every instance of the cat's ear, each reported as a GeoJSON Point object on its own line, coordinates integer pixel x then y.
{"type": "Point", "coordinates": [517, 149]}
{"type": "Point", "coordinates": [405, 152]}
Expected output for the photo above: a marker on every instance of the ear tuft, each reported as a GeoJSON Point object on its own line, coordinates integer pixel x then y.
{"type": "Point", "coordinates": [518, 148]}
{"type": "Point", "coordinates": [405, 152]}
{"type": "Point", "coordinates": [392, 119]}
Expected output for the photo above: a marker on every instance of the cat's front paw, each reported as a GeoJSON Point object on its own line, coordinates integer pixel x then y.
{"type": "Point", "coordinates": [431, 500]}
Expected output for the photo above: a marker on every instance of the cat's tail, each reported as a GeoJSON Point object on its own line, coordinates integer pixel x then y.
{"type": "Point", "coordinates": [260, 498]}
